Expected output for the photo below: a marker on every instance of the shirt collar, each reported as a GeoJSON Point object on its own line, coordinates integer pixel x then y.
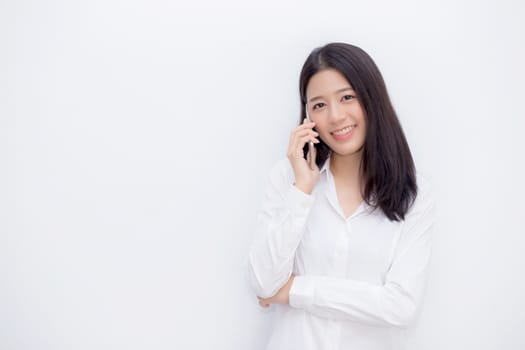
{"type": "Point", "coordinates": [363, 207]}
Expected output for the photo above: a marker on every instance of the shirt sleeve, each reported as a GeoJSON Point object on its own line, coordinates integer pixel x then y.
{"type": "Point", "coordinates": [277, 232]}
{"type": "Point", "coordinates": [396, 302]}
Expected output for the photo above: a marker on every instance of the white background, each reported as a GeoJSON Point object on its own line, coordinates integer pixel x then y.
{"type": "Point", "coordinates": [136, 137]}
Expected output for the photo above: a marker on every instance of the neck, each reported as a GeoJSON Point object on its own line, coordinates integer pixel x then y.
{"type": "Point", "coordinates": [345, 168]}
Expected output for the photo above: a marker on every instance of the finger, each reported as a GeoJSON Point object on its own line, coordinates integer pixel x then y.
{"type": "Point", "coordinates": [306, 121]}
{"type": "Point", "coordinates": [296, 144]}
{"type": "Point", "coordinates": [299, 138]}
{"type": "Point", "coordinates": [296, 135]}
{"type": "Point", "coordinates": [296, 147]}
{"type": "Point", "coordinates": [305, 139]}
{"type": "Point", "coordinates": [263, 304]}
{"type": "Point", "coordinates": [311, 157]}
{"type": "Point", "coordinates": [305, 125]}
{"type": "Point", "coordinates": [302, 132]}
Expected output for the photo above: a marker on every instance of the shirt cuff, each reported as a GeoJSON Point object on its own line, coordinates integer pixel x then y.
{"type": "Point", "coordinates": [298, 202]}
{"type": "Point", "coordinates": [302, 293]}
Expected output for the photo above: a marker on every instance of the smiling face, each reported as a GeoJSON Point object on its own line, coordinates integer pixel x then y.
{"type": "Point", "coordinates": [338, 115]}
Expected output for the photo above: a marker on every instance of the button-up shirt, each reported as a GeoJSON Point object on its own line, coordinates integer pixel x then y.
{"type": "Point", "coordinates": [359, 280]}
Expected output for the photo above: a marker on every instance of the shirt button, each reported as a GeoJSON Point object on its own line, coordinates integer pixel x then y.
{"type": "Point", "coordinates": [305, 205]}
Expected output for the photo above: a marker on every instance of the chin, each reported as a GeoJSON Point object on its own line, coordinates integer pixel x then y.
{"type": "Point", "coordinates": [347, 151]}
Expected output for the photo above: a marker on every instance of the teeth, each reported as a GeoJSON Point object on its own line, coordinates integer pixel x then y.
{"type": "Point", "coordinates": [344, 131]}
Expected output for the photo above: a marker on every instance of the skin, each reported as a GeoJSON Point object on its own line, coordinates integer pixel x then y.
{"type": "Point", "coordinates": [333, 111]}
{"type": "Point", "coordinates": [282, 296]}
{"type": "Point", "coordinates": [330, 109]}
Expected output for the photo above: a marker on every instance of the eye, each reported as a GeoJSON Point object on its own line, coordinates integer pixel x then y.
{"type": "Point", "coordinates": [317, 104]}
{"type": "Point", "coordinates": [348, 97]}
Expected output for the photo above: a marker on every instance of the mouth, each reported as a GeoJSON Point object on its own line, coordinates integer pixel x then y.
{"type": "Point", "coordinates": [344, 133]}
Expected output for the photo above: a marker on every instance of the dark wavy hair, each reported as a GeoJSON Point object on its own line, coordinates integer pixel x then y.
{"type": "Point", "coordinates": [387, 167]}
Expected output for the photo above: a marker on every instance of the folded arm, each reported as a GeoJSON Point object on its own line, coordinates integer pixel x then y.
{"type": "Point", "coordinates": [396, 301]}
{"type": "Point", "coordinates": [277, 234]}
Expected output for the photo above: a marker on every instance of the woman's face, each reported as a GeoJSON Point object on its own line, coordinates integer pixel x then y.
{"type": "Point", "coordinates": [338, 116]}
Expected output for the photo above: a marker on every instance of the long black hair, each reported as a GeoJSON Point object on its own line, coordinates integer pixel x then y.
{"type": "Point", "coordinates": [387, 167]}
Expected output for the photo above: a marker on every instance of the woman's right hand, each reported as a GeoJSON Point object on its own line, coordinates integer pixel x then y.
{"type": "Point", "coordinates": [305, 177]}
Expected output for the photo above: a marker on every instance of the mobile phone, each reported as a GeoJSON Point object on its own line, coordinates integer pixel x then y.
{"type": "Point", "coordinates": [310, 143]}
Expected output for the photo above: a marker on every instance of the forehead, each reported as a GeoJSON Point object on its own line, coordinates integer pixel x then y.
{"type": "Point", "coordinates": [325, 83]}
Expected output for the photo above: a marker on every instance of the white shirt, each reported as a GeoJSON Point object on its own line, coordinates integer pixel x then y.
{"type": "Point", "coordinates": [359, 280]}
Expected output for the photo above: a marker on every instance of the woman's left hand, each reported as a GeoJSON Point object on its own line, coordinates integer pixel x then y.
{"type": "Point", "coordinates": [282, 296]}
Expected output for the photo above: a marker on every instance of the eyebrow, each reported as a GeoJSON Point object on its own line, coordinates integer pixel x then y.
{"type": "Point", "coordinates": [340, 90]}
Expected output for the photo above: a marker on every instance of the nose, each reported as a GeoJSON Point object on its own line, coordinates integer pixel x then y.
{"type": "Point", "coordinates": [336, 113]}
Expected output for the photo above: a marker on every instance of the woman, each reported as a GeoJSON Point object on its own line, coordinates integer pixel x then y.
{"type": "Point", "coordinates": [342, 250]}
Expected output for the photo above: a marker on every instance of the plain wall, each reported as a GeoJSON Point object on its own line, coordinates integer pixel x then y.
{"type": "Point", "coordinates": [136, 137]}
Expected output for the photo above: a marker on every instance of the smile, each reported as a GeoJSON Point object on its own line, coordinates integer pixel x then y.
{"type": "Point", "coordinates": [344, 133]}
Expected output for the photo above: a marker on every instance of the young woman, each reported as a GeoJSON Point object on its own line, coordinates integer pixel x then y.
{"type": "Point", "coordinates": [342, 247]}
